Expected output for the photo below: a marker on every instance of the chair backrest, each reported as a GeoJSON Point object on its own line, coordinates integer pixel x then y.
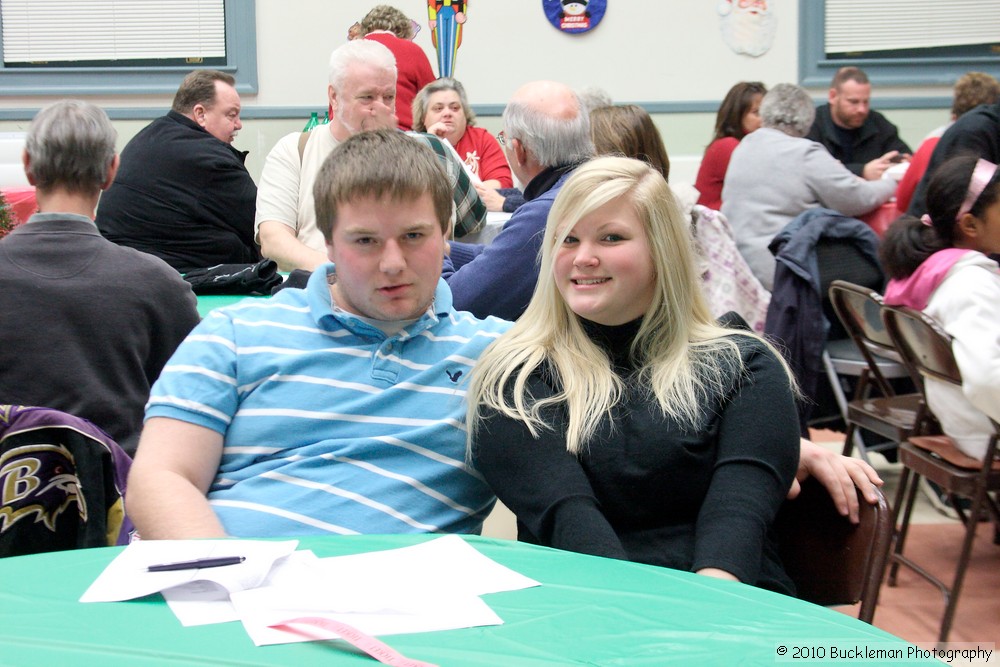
{"type": "Point", "coordinates": [727, 281]}
{"type": "Point", "coordinates": [62, 483]}
{"type": "Point", "coordinates": [842, 260]}
{"type": "Point", "coordinates": [831, 560]}
{"type": "Point", "coordinates": [859, 310]}
{"type": "Point", "coordinates": [925, 349]}
{"type": "Point", "coordinates": [922, 344]}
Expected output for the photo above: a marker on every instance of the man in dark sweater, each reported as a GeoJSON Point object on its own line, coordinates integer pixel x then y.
{"type": "Point", "coordinates": [182, 192]}
{"type": "Point", "coordinates": [87, 325]}
{"type": "Point", "coordinates": [862, 139]}
{"type": "Point", "coordinates": [546, 135]}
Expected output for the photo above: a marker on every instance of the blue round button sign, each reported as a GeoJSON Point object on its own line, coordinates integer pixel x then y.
{"type": "Point", "coordinates": [574, 16]}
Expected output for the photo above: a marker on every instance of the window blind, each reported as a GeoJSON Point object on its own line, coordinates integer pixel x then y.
{"type": "Point", "coordinates": [98, 30]}
{"type": "Point", "coordinates": [864, 25]}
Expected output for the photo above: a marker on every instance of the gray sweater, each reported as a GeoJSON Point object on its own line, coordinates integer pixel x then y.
{"type": "Point", "coordinates": [773, 177]}
{"type": "Point", "coordinates": [86, 325]}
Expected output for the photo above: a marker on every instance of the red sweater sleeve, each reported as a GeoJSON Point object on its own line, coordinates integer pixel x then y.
{"type": "Point", "coordinates": [481, 151]}
{"type": "Point", "coordinates": [918, 165]}
{"type": "Point", "coordinates": [712, 172]}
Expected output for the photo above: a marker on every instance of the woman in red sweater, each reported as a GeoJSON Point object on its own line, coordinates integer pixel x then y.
{"type": "Point", "coordinates": [738, 116]}
{"type": "Point", "coordinates": [442, 108]}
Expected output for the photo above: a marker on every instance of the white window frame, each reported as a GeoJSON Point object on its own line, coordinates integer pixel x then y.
{"type": "Point", "coordinates": [816, 69]}
{"type": "Point", "coordinates": [241, 62]}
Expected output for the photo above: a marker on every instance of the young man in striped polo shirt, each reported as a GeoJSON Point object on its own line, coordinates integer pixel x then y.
{"type": "Point", "coordinates": [338, 408]}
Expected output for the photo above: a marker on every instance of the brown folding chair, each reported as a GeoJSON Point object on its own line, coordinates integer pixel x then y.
{"type": "Point", "coordinates": [831, 560]}
{"type": "Point", "coordinates": [875, 407]}
{"type": "Point", "coordinates": [926, 350]}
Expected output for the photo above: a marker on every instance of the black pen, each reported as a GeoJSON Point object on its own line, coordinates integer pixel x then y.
{"type": "Point", "coordinates": [196, 564]}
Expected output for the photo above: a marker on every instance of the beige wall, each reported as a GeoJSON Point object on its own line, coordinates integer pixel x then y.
{"type": "Point", "coordinates": [644, 51]}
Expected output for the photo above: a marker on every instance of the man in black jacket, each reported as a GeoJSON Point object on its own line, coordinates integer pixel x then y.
{"type": "Point", "coordinates": [976, 131]}
{"type": "Point", "coordinates": [182, 192]}
{"type": "Point", "coordinates": [862, 139]}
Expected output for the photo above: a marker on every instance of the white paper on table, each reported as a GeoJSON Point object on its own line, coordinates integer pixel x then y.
{"type": "Point", "coordinates": [204, 602]}
{"type": "Point", "coordinates": [126, 576]}
{"type": "Point", "coordinates": [495, 222]}
{"type": "Point", "coordinates": [896, 171]}
{"type": "Point", "coordinates": [429, 586]}
{"type": "Point", "coordinates": [446, 564]}
{"type": "Point", "coordinates": [372, 611]}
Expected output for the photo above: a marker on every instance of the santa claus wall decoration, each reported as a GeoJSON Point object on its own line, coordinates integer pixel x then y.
{"type": "Point", "coordinates": [748, 26]}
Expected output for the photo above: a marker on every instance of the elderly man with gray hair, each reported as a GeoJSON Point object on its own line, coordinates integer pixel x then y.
{"type": "Point", "coordinates": [362, 94]}
{"type": "Point", "coordinates": [87, 325]}
{"type": "Point", "coordinates": [546, 136]}
{"type": "Point", "coordinates": [775, 174]}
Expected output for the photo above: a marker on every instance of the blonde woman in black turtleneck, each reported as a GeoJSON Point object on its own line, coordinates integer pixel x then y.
{"type": "Point", "coordinates": [617, 417]}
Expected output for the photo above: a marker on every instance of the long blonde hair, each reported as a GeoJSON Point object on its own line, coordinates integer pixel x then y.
{"type": "Point", "coordinates": [684, 356]}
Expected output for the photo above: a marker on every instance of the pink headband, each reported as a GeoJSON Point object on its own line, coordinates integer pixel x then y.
{"type": "Point", "coordinates": [981, 176]}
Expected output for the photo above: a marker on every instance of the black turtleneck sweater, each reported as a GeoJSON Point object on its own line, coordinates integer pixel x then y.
{"type": "Point", "coordinates": [647, 489]}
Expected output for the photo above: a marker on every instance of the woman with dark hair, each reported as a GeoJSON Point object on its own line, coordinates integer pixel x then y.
{"type": "Point", "coordinates": [938, 264]}
{"type": "Point", "coordinates": [738, 116]}
{"type": "Point", "coordinates": [629, 131]}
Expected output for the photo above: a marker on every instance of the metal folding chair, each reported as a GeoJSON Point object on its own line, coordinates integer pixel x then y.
{"type": "Point", "coordinates": [831, 560]}
{"type": "Point", "coordinates": [926, 351]}
{"type": "Point", "coordinates": [876, 406]}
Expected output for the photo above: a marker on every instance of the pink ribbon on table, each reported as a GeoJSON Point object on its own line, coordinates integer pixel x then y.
{"type": "Point", "coordinates": [373, 647]}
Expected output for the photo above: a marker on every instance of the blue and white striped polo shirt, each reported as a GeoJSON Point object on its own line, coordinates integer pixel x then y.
{"type": "Point", "coordinates": [329, 425]}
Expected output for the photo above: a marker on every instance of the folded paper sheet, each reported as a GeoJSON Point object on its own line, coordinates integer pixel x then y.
{"type": "Point", "coordinates": [205, 603]}
{"type": "Point", "coordinates": [126, 577]}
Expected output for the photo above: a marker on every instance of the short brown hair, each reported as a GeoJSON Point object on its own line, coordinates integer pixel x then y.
{"type": "Point", "coordinates": [855, 74]}
{"type": "Point", "coordinates": [973, 89]}
{"type": "Point", "coordinates": [198, 87]}
{"type": "Point", "coordinates": [384, 17]}
{"type": "Point", "coordinates": [376, 164]}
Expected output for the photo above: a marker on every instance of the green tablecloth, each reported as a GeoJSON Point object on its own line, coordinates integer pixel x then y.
{"type": "Point", "coordinates": [589, 611]}
{"type": "Point", "coordinates": [207, 304]}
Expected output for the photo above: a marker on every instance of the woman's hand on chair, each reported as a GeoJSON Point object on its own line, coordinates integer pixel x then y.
{"type": "Point", "coordinates": [840, 475]}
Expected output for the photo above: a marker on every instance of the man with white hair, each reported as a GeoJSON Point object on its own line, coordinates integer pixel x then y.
{"type": "Point", "coordinates": [546, 136]}
{"type": "Point", "coordinates": [362, 94]}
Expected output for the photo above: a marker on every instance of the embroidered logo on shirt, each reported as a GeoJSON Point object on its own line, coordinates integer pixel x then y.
{"type": "Point", "coordinates": [454, 376]}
